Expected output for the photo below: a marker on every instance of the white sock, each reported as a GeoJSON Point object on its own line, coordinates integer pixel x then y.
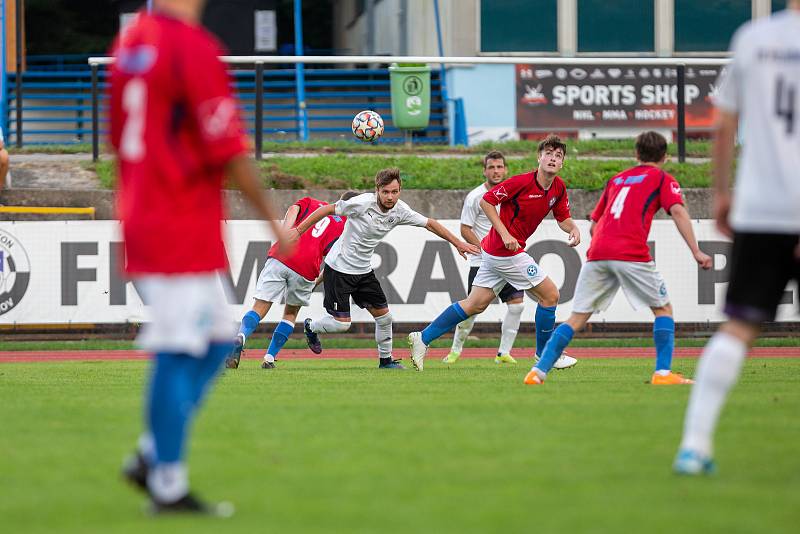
{"type": "Point", "coordinates": [269, 358]}
{"type": "Point", "coordinates": [717, 372]}
{"type": "Point", "coordinates": [147, 447]}
{"type": "Point", "coordinates": [168, 482]}
{"type": "Point", "coordinates": [383, 335]}
{"type": "Point", "coordinates": [462, 332]}
{"type": "Point", "coordinates": [510, 327]}
{"type": "Point", "coordinates": [328, 324]}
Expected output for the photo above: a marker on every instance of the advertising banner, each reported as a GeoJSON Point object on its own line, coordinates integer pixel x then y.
{"type": "Point", "coordinates": [68, 272]}
{"type": "Point", "coordinates": [572, 97]}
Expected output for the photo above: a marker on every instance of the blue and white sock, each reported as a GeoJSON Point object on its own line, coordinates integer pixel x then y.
{"type": "Point", "coordinates": [664, 337]}
{"type": "Point", "coordinates": [552, 351]}
{"type": "Point", "coordinates": [249, 323]}
{"type": "Point", "coordinates": [279, 337]}
{"type": "Point", "coordinates": [447, 320]}
{"type": "Point", "coordinates": [171, 404]}
{"type": "Point", "coordinates": [545, 323]}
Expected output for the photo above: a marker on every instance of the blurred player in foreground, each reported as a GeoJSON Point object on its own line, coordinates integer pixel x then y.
{"type": "Point", "coordinates": [524, 202]}
{"type": "Point", "coordinates": [619, 256]}
{"type": "Point", "coordinates": [348, 267]}
{"type": "Point", "coordinates": [761, 87]}
{"type": "Point", "coordinates": [290, 277]}
{"type": "Point", "coordinates": [176, 130]}
{"type": "Point", "coordinates": [474, 227]}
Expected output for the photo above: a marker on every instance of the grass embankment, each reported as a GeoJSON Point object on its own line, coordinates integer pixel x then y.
{"type": "Point", "coordinates": [342, 171]}
{"type": "Point", "coordinates": [339, 446]}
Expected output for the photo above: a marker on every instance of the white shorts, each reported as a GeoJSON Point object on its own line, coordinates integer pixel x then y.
{"type": "Point", "coordinates": [520, 270]}
{"type": "Point", "coordinates": [277, 282]}
{"type": "Point", "coordinates": [186, 312]}
{"type": "Point", "coordinates": [599, 281]}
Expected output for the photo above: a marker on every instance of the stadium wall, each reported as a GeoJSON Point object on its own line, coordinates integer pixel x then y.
{"type": "Point", "coordinates": [67, 272]}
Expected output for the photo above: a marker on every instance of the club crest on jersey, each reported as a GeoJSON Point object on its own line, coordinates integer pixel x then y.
{"type": "Point", "coordinates": [217, 117]}
{"type": "Point", "coordinates": [532, 270]}
{"type": "Point", "coordinates": [662, 290]}
{"type": "Point", "coordinates": [552, 201]}
{"type": "Point", "coordinates": [500, 193]}
{"type": "Point", "coordinates": [676, 188]}
{"type": "Point", "coordinates": [137, 60]}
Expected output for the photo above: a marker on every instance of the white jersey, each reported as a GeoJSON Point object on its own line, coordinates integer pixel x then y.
{"type": "Point", "coordinates": [472, 215]}
{"type": "Point", "coordinates": [366, 226]}
{"type": "Point", "coordinates": [762, 85]}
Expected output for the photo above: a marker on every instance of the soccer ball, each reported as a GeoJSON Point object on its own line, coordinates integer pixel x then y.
{"type": "Point", "coordinates": [367, 126]}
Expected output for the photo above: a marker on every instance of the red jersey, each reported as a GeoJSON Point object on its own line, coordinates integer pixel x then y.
{"type": "Point", "coordinates": [523, 206]}
{"type": "Point", "coordinates": [174, 127]}
{"type": "Point", "coordinates": [314, 244]}
{"type": "Point", "coordinates": [625, 212]}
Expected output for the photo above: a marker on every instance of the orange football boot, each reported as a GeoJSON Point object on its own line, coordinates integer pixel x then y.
{"type": "Point", "coordinates": [533, 379]}
{"type": "Point", "coordinates": [671, 379]}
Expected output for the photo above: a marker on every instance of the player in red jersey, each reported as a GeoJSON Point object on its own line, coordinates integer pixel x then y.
{"type": "Point", "coordinates": [524, 202]}
{"type": "Point", "coordinates": [619, 256]}
{"type": "Point", "coordinates": [290, 277]}
{"type": "Point", "coordinates": [176, 130]}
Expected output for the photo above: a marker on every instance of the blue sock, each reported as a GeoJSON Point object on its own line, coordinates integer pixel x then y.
{"type": "Point", "coordinates": [279, 337]}
{"type": "Point", "coordinates": [170, 404]}
{"type": "Point", "coordinates": [664, 337]}
{"type": "Point", "coordinates": [552, 351]}
{"type": "Point", "coordinates": [249, 323]}
{"type": "Point", "coordinates": [446, 321]}
{"type": "Point", "coordinates": [545, 322]}
{"type": "Point", "coordinates": [207, 368]}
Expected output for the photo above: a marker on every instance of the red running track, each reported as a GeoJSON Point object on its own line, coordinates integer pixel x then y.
{"type": "Point", "coordinates": [295, 354]}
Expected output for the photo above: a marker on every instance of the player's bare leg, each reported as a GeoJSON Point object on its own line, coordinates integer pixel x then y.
{"type": "Point", "coordinates": [280, 335]}
{"type": "Point", "coordinates": [555, 346]}
{"type": "Point", "coordinates": [248, 325]}
{"type": "Point", "coordinates": [476, 302]}
{"type": "Point", "coordinates": [719, 369]}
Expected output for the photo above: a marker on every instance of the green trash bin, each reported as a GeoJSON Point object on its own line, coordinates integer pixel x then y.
{"type": "Point", "coordinates": [411, 95]}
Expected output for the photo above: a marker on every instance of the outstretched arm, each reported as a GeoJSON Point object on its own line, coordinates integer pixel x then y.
{"type": "Point", "coordinates": [242, 172]}
{"type": "Point", "coordinates": [509, 241]}
{"type": "Point", "coordinates": [722, 151]}
{"type": "Point", "coordinates": [316, 216]}
{"type": "Point", "coordinates": [569, 226]}
{"type": "Point", "coordinates": [462, 247]}
{"type": "Point", "coordinates": [684, 224]}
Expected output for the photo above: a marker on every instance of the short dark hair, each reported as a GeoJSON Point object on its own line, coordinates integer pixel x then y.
{"type": "Point", "coordinates": [651, 147]}
{"type": "Point", "coordinates": [553, 142]}
{"type": "Point", "coordinates": [347, 195]}
{"type": "Point", "coordinates": [387, 176]}
{"type": "Point", "coordinates": [493, 154]}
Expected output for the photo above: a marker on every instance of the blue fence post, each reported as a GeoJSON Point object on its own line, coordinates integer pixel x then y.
{"type": "Point", "coordinates": [460, 123]}
{"type": "Point", "coordinates": [18, 34]}
{"type": "Point", "coordinates": [95, 115]}
{"type": "Point", "coordinates": [300, 76]}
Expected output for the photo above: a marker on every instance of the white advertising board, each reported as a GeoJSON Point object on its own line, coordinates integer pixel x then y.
{"type": "Point", "coordinates": [67, 272]}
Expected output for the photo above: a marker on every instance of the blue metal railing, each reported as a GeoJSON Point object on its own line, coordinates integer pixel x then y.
{"type": "Point", "coordinates": [57, 103]}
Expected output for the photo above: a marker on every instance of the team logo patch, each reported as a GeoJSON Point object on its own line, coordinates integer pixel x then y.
{"type": "Point", "coordinates": [218, 118]}
{"type": "Point", "coordinates": [15, 272]}
{"type": "Point", "coordinates": [532, 270]}
{"type": "Point", "coordinates": [552, 201]}
{"type": "Point", "coordinates": [500, 193]}
{"type": "Point", "coordinates": [137, 59]}
{"type": "Point", "coordinates": [676, 188]}
{"type": "Point", "coordinates": [662, 290]}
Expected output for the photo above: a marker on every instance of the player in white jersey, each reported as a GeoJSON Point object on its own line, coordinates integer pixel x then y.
{"type": "Point", "coordinates": [348, 266]}
{"type": "Point", "coordinates": [474, 227]}
{"type": "Point", "coordinates": [760, 89]}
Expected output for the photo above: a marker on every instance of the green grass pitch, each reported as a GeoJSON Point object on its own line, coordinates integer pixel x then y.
{"type": "Point", "coordinates": [338, 446]}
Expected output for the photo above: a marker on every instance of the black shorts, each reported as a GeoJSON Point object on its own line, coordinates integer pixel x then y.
{"type": "Point", "coordinates": [339, 287]}
{"type": "Point", "coordinates": [761, 266]}
{"type": "Point", "coordinates": [508, 292]}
